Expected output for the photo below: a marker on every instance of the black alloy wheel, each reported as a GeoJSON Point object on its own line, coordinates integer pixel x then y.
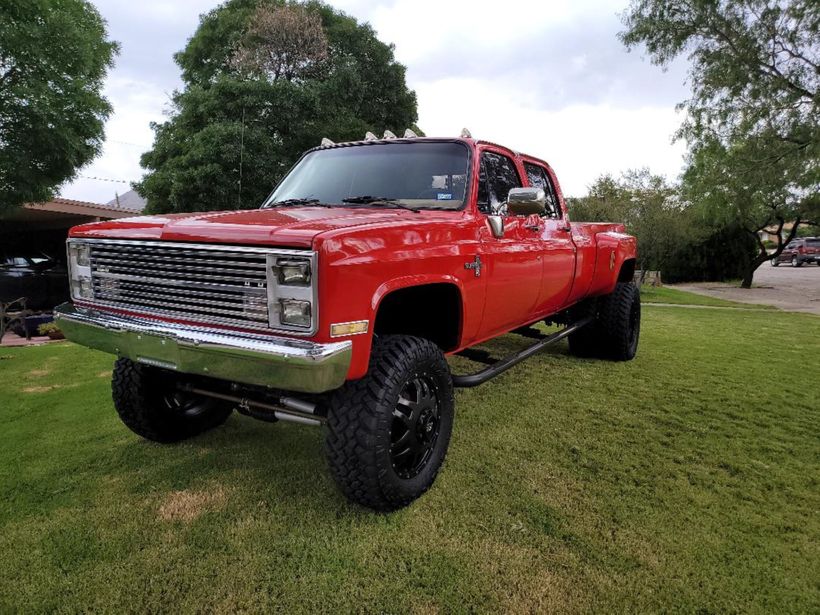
{"type": "Point", "coordinates": [416, 426]}
{"type": "Point", "coordinates": [186, 404]}
{"type": "Point", "coordinates": [150, 403]}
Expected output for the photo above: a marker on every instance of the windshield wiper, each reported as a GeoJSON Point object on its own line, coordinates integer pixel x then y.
{"type": "Point", "coordinates": [287, 202]}
{"type": "Point", "coordinates": [366, 199]}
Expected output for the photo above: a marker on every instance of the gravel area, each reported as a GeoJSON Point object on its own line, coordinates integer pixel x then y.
{"type": "Point", "coordinates": [796, 289]}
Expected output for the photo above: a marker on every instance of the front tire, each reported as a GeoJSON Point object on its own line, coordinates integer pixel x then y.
{"type": "Point", "coordinates": [388, 432]}
{"type": "Point", "coordinates": [796, 262]}
{"type": "Point", "coordinates": [150, 404]}
{"type": "Point", "coordinates": [775, 262]}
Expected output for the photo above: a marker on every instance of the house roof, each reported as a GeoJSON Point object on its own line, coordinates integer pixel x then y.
{"type": "Point", "coordinates": [130, 202]}
{"type": "Point", "coordinates": [107, 211]}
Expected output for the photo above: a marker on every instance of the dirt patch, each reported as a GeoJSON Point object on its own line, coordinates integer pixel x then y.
{"type": "Point", "coordinates": [47, 388]}
{"type": "Point", "coordinates": [39, 373]}
{"type": "Point", "coordinates": [105, 374]}
{"type": "Point", "coordinates": [187, 505]}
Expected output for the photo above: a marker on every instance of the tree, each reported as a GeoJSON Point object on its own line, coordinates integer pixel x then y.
{"type": "Point", "coordinates": [648, 205]}
{"type": "Point", "coordinates": [265, 80]}
{"type": "Point", "coordinates": [752, 120]}
{"type": "Point", "coordinates": [54, 55]}
{"type": "Point", "coordinates": [282, 43]}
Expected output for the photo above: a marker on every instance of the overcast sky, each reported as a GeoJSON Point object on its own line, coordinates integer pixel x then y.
{"type": "Point", "coordinates": [549, 78]}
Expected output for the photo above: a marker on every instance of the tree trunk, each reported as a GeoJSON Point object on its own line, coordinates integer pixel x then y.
{"type": "Point", "coordinates": [763, 255]}
{"type": "Point", "coordinates": [749, 273]}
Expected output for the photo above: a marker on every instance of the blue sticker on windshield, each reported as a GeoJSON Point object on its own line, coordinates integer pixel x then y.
{"type": "Point", "coordinates": [444, 196]}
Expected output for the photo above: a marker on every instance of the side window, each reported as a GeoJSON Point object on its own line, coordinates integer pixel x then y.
{"type": "Point", "coordinates": [538, 178]}
{"type": "Point", "coordinates": [496, 178]}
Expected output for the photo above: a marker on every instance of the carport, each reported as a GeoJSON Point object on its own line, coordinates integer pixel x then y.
{"type": "Point", "coordinates": [28, 232]}
{"type": "Point", "coordinates": [43, 227]}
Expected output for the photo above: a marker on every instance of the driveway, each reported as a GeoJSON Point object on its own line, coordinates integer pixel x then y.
{"type": "Point", "coordinates": [796, 289]}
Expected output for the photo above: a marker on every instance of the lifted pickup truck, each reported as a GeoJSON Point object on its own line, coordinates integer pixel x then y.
{"type": "Point", "coordinates": [337, 301]}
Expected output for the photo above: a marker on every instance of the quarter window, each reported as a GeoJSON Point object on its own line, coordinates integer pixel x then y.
{"type": "Point", "coordinates": [538, 178]}
{"type": "Point", "coordinates": [496, 178]}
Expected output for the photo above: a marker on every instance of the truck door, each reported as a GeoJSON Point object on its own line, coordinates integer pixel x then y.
{"type": "Point", "coordinates": [557, 249]}
{"type": "Point", "coordinates": [513, 263]}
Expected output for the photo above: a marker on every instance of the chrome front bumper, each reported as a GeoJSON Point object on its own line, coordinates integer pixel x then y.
{"type": "Point", "coordinates": [282, 363]}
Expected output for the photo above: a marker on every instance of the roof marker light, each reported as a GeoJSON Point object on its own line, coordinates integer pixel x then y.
{"type": "Point", "coordinates": [466, 134]}
{"type": "Point", "coordinates": [369, 136]}
{"type": "Point", "coordinates": [409, 134]}
{"type": "Point", "coordinates": [389, 135]}
{"type": "Point", "coordinates": [326, 142]}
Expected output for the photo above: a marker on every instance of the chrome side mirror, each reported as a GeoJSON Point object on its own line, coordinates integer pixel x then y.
{"type": "Point", "coordinates": [496, 226]}
{"type": "Point", "coordinates": [527, 201]}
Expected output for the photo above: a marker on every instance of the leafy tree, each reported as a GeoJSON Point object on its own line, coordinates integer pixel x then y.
{"type": "Point", "coordinates": [264, 81]}
{"type": "Point", "coordinates": [650, 208]}
{"type": "Point", "coordinates": [751, 122]}
{"type": "Point", "coordinates": [54, 55]}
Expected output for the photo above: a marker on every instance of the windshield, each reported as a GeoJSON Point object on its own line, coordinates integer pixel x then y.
{"type": "Point", "coordinates": [421, 175]}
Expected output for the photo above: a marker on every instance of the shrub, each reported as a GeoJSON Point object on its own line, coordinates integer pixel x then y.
{"type": "Point", "coordinates": [722, 255]}
{"type": "Point", "coordinates": [51, 329]}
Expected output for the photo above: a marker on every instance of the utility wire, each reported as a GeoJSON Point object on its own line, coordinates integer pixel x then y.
{"type": "Point", "coordinates": [105, 179]}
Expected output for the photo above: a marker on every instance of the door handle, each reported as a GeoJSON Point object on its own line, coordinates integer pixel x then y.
{"type": "Point", "coordinates": [533, 227]}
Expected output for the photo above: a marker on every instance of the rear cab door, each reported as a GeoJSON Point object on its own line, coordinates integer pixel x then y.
{"type": "Point", "coordinates": [552, 231]}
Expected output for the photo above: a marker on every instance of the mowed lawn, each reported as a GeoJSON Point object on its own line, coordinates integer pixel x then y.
{"type": "Point", "coordinates": [686, 480]}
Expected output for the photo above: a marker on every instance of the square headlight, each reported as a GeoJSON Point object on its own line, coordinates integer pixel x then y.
{"type": "Point", "coordinates": [82, 288]}
{"type": "Point", "coordinates": [294, 312]}
{"type": "Point", "coordinates": [293, 272]}
{"type": "Point", "coordinates": [81, 254]}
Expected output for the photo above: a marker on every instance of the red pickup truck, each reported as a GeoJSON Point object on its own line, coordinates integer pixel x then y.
{"type": "Point", "coordinates": [338, 300]}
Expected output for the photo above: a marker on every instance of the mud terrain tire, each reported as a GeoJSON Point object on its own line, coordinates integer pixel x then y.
{"type": "Point", "coordinates": [388, 433]}
{"type": "Point", "coordinates": [148, 402]}
{"type": "Point", "coordinates": [616, 329]}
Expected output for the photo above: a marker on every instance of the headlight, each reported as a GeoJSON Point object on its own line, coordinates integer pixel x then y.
{"type": "Point", "coordinates": [293, 272]}
{"type": "Point", "coordinates": [79, 270]}
{"type": "Point", "coordinates": [81, 252]}
{"type": "Point", "coordinates": [81, 288]}
{"type": "Point", "coordinates": [294, 312]}
{"type": "Point", "coordinates": [292, 292]}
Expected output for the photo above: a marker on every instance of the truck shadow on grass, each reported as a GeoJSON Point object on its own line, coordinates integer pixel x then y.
{"type": "Point", "coordinates": [282, 464]}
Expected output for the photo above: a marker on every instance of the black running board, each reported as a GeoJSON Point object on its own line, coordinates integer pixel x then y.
{"type": "Point", "coordinates": [502, 365]}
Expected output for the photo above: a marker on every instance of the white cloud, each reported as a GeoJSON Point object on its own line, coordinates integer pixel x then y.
{"type": "Point", "coordinates": [579, 141]}
{"type": "Point", "coordinates": [548, 78]}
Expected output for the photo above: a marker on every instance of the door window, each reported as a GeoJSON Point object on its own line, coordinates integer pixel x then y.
{"type": "Point", "coordinates": [496, 178]}
{"type": "Point", "coordinates": [538, 178]}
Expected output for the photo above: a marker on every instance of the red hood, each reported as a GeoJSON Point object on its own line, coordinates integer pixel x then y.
{"type": "Point", "coordinates": [294, 227]}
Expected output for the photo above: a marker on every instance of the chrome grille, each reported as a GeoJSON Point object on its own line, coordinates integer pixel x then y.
{"type": "Point", "coordinates": [186, 281]}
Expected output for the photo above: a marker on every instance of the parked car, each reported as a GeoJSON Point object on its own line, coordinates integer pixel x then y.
{"type": "Point", "coordinates": [799, 251]}
{"type": "Point", "coordinates": [337, 301]}
{"type": "Point", "coordinates": [42, 280]}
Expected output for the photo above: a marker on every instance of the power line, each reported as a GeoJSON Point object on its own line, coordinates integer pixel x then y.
{"type": "Point", "coordinates": [105, 179]}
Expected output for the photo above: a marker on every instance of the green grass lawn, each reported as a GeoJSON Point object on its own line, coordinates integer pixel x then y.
{"type": "Point", "coordinates": [686, 480]}
{"type": "Point", "coordinates": [665, 294]}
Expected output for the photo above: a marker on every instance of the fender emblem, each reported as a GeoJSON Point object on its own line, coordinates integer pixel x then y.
{"type": "Point", "coordinates": [475, 265]}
